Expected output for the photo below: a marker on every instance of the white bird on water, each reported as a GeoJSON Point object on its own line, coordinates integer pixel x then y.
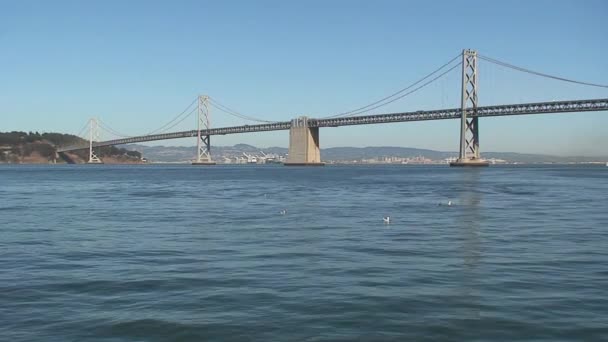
{"type": "Point", "coordinates": [449, 203]}
{"type": "Point", "coordinates": [386, 219]}
{"type": "Point", "coordinates": [283, 212]}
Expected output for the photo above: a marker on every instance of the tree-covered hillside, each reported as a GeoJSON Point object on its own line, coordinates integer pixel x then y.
{"type": "Point", "coordinates": [34, 147]}
{"type": "Point", "coordinates": [56, 139]}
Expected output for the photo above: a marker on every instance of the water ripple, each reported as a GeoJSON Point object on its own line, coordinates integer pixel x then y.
{"type": "Point", "coordinates": [176, 253]}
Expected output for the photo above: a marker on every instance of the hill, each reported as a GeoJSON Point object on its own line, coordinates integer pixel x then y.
{"type": "Point", "coordinates": [41, 148]}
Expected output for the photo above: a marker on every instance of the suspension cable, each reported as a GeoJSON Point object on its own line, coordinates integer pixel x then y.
{"type": "Point", "coordinates": [110, 130]}
{"type": "Point", "coordinates": [164, 128]}
{"type": "Point", "coordinates": [406, 94]}
{"type": "Point", "coordinates": [180, 117]}
{"type": "Point", "coordinates": [178, 122]}
{"type": "Point", "coordinates": [375, 103]}
{"type": "Point", "coordinates": [217, 105]}
{"type": "Point", "coordinates": [82, 130]}
{"type": "Point", "coordinates": [514, 67]}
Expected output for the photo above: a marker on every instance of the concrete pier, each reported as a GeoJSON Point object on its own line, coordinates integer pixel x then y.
{"type": "Point", "coordinates": [303, 144]}
{"type": "Point", "coordinates": [470, 163]}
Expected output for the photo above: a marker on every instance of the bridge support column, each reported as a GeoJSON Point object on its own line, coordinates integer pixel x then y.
{"type": "Point", "coordinates": [203, 142]}
{"type": "Point", "coordinates": [469, 126]}
{"type": "Point", "coordinates": [303, 144]}
{"type": "Point", "coordinates": [93, 135]}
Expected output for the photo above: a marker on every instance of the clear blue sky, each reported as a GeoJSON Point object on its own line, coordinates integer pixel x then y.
{"type": "Point", "coordinates": [135, 64]}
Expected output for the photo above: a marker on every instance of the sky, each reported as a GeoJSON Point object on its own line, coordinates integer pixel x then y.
{"type": "Point", "coordinates": [137, 64]}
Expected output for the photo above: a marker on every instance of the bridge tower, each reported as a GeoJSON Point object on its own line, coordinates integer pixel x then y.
{"type": "Point", "coordinates": [203, 142]}
{"type": "Point", "coordinates": [469, 126]}
{"type": "Point", "coordinates": [93, 136]}
{"type": "Point", "coordinates": [303, 144]}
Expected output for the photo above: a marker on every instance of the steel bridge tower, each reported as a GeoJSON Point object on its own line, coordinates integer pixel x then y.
{"type": "Point", "coordinates": [93, 136]}
{"type": "Point", "coordinates": [203, 142]}
{"type": "Point", "coordinates": [469, 126]}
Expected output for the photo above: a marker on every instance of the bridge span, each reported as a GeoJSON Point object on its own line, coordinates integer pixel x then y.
{"type": "Point", "coordinates": [421, 115]}
{"type": "Point", "coordinates": [304, 146]}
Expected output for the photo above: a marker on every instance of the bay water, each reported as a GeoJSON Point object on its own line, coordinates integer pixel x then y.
{"type": "Point", "coordinates": [272, 253]}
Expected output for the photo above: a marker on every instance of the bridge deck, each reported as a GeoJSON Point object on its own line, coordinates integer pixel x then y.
{"type": "Point", "coordinates": [423, 115]}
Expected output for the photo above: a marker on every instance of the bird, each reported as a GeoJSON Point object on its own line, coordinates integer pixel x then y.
{"type": "Point", "coordinates": [283, 212]}
{"type": "Point", "coordinates": [386, 219]}
{"type": "Point", "coordinates": [449, 203]}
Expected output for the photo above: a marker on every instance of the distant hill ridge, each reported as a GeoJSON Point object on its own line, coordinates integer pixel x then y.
{"type": "Point", "coordinates": [186, 153]}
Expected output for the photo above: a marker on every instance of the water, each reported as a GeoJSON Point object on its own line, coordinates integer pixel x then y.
{"type": "Point", "coordinates": [180, 253]}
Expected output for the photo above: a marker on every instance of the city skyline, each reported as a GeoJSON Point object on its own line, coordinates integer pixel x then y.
{"type": "Point", "coordinates": [285, 60]}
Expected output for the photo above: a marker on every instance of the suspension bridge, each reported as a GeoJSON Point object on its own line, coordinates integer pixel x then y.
{"type": "Point", "coordinates": [304, 145]}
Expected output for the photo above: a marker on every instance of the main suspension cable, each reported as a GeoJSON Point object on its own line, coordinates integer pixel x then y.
{"type": "Point", "coordinates": [406, 94]}
{"type": "Point", "coordinates": [167, 126]}
{"type": "Point", "coordinates": [82, 130]}
{"type": "Point", "coordinates": [217, 105]}
{"type": "Point", "coordinates": [379, 103]}
{"type": "Point", "coordinates": [514, 67]}
{"type": "Point", "coordinates": [110, 130]}
{"type": "Point", "coordinates": [181, 120]}
{"type": "Point", "coordinates": [164, 127]}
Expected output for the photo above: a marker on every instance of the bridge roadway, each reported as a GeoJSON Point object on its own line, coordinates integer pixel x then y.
{"type": "Point", "coordinates": [422, 115]}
